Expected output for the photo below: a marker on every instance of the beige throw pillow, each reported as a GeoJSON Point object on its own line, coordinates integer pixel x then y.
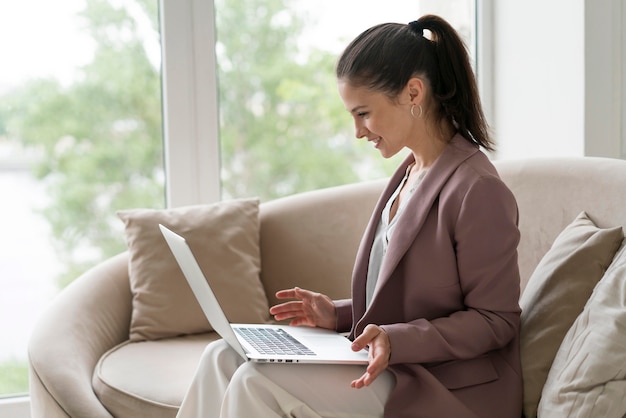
{"type": "Point", "coordinates": [224, 238]}
{"type": "Point", "coordinates": [556, 294]}
{"type": "Point", "coordinates": [588, 375]}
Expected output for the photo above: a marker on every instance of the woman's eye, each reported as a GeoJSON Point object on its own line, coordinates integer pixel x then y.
{"type": "Point", "coordinates": [362, 114]}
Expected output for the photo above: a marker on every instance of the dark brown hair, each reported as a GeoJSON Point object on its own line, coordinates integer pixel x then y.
{"type": "Point", "coordinates": [386, 56]}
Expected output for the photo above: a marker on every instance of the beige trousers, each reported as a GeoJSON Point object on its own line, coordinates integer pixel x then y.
{"type": "Point", "coordinates": [225, 386]}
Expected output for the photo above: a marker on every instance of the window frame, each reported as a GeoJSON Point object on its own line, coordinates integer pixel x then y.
{"type": "Point", "coordinates": [484, 55]}
{"type": "Point", "coordinates": [190, 102]}
{"type": "Point", "coordinates": [17, 406]}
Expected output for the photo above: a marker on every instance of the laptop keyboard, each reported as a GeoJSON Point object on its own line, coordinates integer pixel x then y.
{"type": "Point", "coordinates": [273, 341]}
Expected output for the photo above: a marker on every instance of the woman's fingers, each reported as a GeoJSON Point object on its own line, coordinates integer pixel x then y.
{"type": "Point", "coordinates": [286, 307]}
{"type": "Point", "coordinates": [294, 293]}
{"type": "Point", "coordinates": [287, 310]}
{"type": "Point", "coordinates": [367, 336]}
{"type": "Point", "coordinates": [365, 380]}
{"type": "Point", "coordinates": [308, 308]}
{"type": "Point", "coordinates": [286, 294]}
{"type": "Point", "coordinates": [377, 340]}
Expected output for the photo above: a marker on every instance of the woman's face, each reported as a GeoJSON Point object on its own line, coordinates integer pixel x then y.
{"type": "Point", "coordinates": [384, 122]}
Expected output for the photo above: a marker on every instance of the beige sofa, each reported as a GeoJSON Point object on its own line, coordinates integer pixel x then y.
{"type": "Point", "coordinates": [83, 366]}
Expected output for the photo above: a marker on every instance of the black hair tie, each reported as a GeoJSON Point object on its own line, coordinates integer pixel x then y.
{"type": "Point", "coordinates": [417, 27]}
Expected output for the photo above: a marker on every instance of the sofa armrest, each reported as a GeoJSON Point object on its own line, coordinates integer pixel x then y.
{"type": "Point", "coordinates": [85, 320]}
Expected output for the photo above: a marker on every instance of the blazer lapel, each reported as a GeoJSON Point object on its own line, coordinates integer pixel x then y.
{"type": "Point", "coordinates": [359, 274]}
{"type": "Point", "coordinates": [413, 216]}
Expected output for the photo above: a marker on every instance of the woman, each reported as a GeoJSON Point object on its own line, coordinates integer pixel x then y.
{"type": "Point", "coordinates": [435, 285]}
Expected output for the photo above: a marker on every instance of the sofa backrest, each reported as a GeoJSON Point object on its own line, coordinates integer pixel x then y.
{"type": "Point", "coordinates": [551, 192]}
{"type": "Point", "coordinates": [310, 239]}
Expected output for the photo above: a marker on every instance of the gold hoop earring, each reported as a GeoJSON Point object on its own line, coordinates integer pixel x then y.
{"type": "Point", "coordinates": [412, 111]}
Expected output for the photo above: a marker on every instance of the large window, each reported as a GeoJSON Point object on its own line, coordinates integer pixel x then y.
{"type": "Point", "coordinates": [81, 125]}
{"type": "Point", "coordinates": [283, 127]}
{"type": "Point", "coordinates": [80, 137]}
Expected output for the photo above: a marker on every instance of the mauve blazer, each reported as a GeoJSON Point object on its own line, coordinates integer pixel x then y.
{"type": "Point", "coordinates": [448, 292]}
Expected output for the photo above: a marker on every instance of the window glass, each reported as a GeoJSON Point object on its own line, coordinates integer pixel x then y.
{"type": "Point", "coordinates": [80, 137]}
{"type": "Point", "coordinates": [283, 127]}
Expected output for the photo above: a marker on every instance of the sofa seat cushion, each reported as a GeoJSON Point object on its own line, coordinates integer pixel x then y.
{"type": "Point", "coordinates": [148, 378]}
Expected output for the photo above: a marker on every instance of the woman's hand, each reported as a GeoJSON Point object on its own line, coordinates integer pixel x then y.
{"type": "Point", "coordinates": [379, 345]}
{"type": "Point", "coordinates": [310, 308]}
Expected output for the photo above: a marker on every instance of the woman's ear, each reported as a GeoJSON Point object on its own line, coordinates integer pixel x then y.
{"type": "Point", "coordinates": [415, 87]}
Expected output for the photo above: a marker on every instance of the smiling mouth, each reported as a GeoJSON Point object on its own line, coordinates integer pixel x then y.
{"type": "Point", "coordinates": [376, 141]}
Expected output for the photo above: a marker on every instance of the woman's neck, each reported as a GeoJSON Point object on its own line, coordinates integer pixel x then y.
{"type": "Point", "coordinates": [431, 145]}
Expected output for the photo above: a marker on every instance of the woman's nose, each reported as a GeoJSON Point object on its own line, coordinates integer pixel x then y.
{"type": "Point", "coordinates": [360, 131]}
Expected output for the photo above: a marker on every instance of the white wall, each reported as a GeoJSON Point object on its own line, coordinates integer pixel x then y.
{"type": "Point", "coordinates": [557, 77]}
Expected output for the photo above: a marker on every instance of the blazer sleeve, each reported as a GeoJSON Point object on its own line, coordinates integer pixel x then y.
{"type": "Point", "coordinates": [343, 308]}
{"type": "Point", "coordinates": [485, 238]}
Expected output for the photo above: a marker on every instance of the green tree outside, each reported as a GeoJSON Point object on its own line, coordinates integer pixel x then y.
{"type": "Point", "coordinates": [14, 377]}
{"type": "Point", "coordinates": [280, 119]}
{"type": "Point", "coordinates": [283, 128]}
{"type": "Point", "coordinates": [100, 139]}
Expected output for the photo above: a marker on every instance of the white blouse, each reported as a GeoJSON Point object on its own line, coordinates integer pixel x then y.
{"type": "Point", "coordinates": [383, 235]}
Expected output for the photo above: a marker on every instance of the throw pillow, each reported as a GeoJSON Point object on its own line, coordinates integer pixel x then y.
{"type": "Point", "coordinates": [588, 377]}
{"type": "Point", "coordinates": [224, 238]}
{"type": "Point", "coordinates": [556, 294]}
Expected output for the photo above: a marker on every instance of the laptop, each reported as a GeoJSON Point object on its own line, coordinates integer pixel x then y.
{"type": "Point", "coordinates": [306, 344]}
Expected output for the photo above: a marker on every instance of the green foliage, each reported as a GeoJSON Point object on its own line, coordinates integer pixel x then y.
{"type": "Point", "coordinates": [14, 376]}
{"type": "Point", "coordinates": [100, 138]}
{"type": "Point", "coordinates": [283, 126]}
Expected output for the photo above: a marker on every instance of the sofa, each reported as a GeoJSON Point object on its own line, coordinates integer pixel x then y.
{"type": "Point", "coordinates": [84, 364]}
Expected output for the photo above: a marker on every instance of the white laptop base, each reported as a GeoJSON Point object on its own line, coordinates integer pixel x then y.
{"type": "Point", "coordinates": [327, 347]}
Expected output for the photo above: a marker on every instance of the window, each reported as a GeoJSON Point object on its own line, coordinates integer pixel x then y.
{"type": "Point", "coordinates": [81, 123]}
{"type": "Point", "coordinates": [283, 127]}
{"type": "Point", "coordinates": [80, 137]}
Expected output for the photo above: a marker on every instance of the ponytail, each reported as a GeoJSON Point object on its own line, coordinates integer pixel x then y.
{"type": "Point", "coordinates": [386, 56]}
{"type": "Point", "coordinates": [454, 85]}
